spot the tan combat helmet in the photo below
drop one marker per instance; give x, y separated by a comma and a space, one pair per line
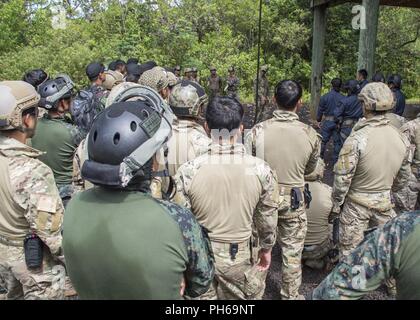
377, 96
156, 78
112, 78
15, 98
318, 173
187, 98
117, 91
264, 68
172, 79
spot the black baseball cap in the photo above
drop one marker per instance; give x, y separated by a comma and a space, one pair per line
94, 69
133, 69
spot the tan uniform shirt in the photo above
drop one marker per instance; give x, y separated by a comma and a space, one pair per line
228, 190
188, 141
374, 159
318, 212
395, 120
290, 147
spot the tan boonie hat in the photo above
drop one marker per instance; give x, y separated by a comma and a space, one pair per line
15, 98
377, 96
318, 173
156, 78
112, 78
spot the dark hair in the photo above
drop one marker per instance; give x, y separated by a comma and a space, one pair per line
133, 60
378, 77
132, 78
112, 65
288, 94
224, 113
31, 111
364, 73
336, 83
35, 77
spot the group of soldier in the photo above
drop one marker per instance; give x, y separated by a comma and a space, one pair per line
142, 187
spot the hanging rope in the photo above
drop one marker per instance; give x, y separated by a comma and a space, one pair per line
258, 66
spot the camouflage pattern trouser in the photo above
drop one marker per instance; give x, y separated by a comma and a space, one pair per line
292, 229
21, 283
406, 199
355, 219
236, 279
316, 256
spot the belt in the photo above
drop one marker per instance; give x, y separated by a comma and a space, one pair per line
13, 243
329, 118
226, 245
349, 122
287, 189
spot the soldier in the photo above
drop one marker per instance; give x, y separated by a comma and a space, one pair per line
362, 76
394, 83
97, 76
161, 253
227, 190
177, 72
349, 111
157, 79
232, 84
378, 77
56, 136
292, 149
407, 198
31, 210
112, 79
374, 159
35, 77
263, 92
391, 252
120, 67
133, 73
214, 83
317, 240
328, 104
189, 139
194, 75
187, 74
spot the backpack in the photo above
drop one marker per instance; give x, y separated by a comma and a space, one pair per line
85, 107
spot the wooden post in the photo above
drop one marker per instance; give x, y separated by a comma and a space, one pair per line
318, 46
368, 35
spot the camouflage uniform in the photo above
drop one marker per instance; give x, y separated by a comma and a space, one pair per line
255, 200
407, 198
156, 78
232, 87
270, 140
263, 94
389, 252
317, 240
30, 204
214, 85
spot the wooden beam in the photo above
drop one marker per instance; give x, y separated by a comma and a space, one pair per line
318, 47
367, 39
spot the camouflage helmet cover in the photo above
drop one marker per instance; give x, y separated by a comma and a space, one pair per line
172, 79
112, 78
15, 98
156, 78
117, 90
377, 96
186, 99
264, 68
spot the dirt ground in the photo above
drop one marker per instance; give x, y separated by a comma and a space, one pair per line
311, 278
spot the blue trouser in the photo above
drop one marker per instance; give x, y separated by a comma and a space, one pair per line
328, 129
344, 134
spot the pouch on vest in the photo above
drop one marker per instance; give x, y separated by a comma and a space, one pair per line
34, 251
295, 198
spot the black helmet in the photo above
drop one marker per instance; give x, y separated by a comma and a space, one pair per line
378, 77
124, 137
352, 87
35, 77
52, 91
396, 80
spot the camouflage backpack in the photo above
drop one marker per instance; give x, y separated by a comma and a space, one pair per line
86, 106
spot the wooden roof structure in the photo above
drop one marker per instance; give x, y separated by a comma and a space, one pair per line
367, 39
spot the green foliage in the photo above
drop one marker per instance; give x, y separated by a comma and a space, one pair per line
199, 33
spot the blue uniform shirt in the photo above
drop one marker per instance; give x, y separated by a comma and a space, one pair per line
329, 102
399, 102
362, 84
349, 108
